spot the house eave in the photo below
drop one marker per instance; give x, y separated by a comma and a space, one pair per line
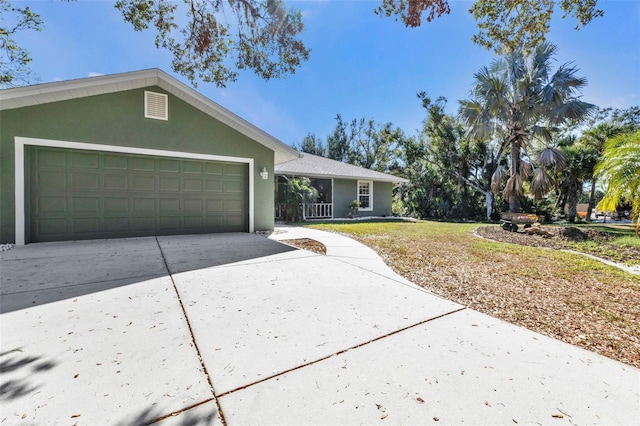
39, 94
395, 180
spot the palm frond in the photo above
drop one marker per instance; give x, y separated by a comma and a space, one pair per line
496, 178
525, 169
552, 157
513, 187
541, 183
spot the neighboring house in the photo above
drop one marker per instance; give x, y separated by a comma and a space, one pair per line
338, 185
128, 155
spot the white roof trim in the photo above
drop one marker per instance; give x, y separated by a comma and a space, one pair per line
65, 90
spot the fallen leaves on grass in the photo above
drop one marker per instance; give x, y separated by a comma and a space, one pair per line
566, 296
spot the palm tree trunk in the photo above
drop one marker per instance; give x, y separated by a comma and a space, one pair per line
514, 199
488, 197
572, 201
592, 198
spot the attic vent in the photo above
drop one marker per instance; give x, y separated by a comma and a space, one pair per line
156, 105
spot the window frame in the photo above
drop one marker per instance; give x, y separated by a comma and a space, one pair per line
370, 195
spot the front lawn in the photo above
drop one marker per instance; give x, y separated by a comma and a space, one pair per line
564, 295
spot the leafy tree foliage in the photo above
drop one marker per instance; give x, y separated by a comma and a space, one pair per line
620, 168
218, 39
262, 36
363, 143
295, 193
505, 25
464, 163
14, 60
580, 160
312, 145
519, 101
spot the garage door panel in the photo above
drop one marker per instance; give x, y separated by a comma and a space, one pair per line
169, 205
235, 221
169, 166
116, 205
169, 184
116, 182
215, 221
143, 183
234, 170
51, 157
144, 164
214, 185
144, 205
86, 205
214, 169
52, 204
193, 222
118, 225
115, 162
169, 223
52, 226
192, 167
48, 179
234, 187
85, 159
80, 181
86, 225
144, 224
193, 206
215, 206
192, 185
235, 206
78, 194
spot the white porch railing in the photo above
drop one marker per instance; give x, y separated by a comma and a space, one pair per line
317, 211
309, 211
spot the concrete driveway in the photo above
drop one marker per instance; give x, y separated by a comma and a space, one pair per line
239, 329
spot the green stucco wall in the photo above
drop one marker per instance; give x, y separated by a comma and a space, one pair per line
345, 191
118, 119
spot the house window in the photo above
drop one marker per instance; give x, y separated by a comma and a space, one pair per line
365, 195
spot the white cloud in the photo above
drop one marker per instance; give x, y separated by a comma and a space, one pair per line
94, 74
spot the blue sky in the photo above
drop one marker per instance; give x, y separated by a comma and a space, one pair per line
361, 65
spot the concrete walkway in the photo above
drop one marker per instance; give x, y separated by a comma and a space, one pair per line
241, 329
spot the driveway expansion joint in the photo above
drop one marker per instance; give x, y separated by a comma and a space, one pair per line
359, 345
195, 345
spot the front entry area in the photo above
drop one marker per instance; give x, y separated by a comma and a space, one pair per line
75, 194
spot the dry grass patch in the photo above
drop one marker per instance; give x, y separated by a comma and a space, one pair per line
567, 296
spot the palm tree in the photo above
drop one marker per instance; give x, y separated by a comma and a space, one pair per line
518, 101
620, 168
297, 193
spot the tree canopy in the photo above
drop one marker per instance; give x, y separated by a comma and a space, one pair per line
261, 36
620, 168
14, 60
504, 25
220, 38
521, 102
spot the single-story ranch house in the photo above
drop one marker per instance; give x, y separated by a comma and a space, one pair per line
338, 185
141, 154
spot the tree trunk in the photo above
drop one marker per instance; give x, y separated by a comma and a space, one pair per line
488, 196
572, 201
514, 199
592, 198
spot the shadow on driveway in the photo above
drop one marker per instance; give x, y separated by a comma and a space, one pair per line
37, 274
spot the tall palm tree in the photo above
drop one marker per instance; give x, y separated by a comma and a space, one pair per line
518, 101
619, 166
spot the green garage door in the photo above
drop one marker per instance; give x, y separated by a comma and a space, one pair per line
76, 194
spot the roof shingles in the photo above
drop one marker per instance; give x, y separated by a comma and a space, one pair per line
314, 166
